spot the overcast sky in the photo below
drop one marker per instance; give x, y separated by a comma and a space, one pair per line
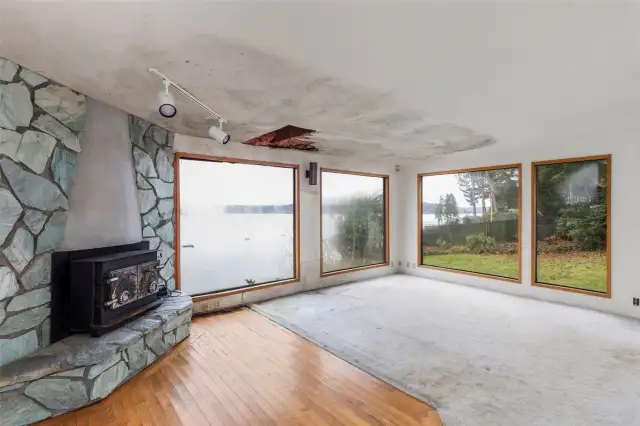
435, 186
208, 184
340, 185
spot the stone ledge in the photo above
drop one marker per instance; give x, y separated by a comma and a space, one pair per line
80, 370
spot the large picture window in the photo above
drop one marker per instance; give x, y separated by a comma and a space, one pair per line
469, 221
572, 227
237, 224
355, 217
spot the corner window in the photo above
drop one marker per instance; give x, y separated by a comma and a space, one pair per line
355, 217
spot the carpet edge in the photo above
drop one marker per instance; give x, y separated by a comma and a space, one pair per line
380, 376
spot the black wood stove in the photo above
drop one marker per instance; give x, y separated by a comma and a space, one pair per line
97, 290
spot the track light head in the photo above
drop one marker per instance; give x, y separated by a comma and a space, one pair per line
218, 134
166, 102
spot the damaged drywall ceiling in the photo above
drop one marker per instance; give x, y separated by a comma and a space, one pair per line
380, 80
287, 137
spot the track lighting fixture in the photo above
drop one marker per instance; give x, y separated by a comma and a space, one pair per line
167, 106
218, 134
166, 101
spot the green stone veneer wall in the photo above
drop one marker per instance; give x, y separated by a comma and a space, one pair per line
81, 370
39, 126
152, 149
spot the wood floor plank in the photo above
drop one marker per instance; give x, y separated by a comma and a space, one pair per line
278, 380
373, 399
227, 396
267, 395
221, 407
341, 392
240, 369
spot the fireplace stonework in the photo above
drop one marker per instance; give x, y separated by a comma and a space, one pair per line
81, 370
40, 127
152, 150
40, 123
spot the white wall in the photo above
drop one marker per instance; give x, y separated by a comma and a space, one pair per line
103, 204
621, 143
309, 215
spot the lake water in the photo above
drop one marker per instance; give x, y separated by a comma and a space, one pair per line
430, 218
229, 249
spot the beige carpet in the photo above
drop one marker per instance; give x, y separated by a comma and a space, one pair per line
480, 358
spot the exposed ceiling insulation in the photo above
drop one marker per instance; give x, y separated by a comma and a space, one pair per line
287, 137
380, 80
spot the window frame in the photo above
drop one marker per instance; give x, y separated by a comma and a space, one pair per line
459, 271
387, 241
296, 218
534, 242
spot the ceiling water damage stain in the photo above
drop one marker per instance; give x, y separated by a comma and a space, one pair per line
287, 137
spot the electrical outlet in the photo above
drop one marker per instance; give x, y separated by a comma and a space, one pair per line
414, 266
407, 264
392, 263
214, 305
636, 301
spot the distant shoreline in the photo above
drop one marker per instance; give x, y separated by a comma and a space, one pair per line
278, 209
259, 209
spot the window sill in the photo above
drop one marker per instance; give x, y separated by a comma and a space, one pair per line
606, 295
356, 269
474, 274
224, 293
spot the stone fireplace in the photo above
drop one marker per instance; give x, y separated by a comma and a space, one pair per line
40, 123
76, 174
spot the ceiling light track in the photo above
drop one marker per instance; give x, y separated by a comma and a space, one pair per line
166, 80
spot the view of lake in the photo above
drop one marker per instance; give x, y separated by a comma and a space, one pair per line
231, 248
237, 223
430, 218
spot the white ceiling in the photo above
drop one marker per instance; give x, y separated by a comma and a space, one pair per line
385, 79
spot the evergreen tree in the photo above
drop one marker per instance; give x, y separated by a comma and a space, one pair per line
439, 210
469, 188
450, 207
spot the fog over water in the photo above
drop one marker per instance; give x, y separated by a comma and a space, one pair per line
221, 250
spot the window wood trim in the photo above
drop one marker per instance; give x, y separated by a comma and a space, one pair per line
296, 219
387, 241
534, 217
470, 273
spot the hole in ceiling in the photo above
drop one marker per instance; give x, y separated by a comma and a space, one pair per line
287, 137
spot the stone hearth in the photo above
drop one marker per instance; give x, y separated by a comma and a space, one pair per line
81, 370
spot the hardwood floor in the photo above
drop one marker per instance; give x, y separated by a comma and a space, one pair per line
239, 368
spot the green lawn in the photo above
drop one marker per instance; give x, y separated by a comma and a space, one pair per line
494, 264
586, 270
